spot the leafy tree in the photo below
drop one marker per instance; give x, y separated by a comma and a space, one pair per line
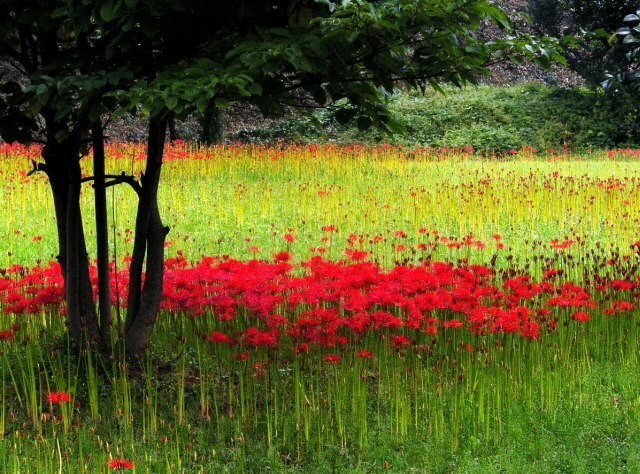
628, 77
81, 62
593, 54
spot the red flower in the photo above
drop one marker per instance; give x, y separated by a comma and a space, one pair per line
399, 340
452, 323
58, 397
217, 337
332, 358
580, 316
289, 237
282, 257
301, 348
365, 353
4, 335
116, 463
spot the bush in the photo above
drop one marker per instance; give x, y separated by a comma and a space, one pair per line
488, 117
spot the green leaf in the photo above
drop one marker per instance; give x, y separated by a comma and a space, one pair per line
202, 103
222, 102
343, 116
61, 135
363, 123
171, 102
255, 89
107, 11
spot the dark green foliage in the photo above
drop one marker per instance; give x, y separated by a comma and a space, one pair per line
490, 117
595, 54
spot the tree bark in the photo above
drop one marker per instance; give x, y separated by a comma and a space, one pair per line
143, 302
102, 236
212, 125
63, 170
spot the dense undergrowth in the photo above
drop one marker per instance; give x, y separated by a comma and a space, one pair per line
485, 117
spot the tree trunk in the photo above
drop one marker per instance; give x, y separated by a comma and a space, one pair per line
143, 303
173, 132
212, 125
102, 236
63, 170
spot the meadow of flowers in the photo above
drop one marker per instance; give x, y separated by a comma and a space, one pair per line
322, 303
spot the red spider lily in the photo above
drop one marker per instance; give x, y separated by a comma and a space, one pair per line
580, 316
334, 358
365, 354
301, 348
58, 397
254, 337
289, 237
282, 257
120, 463
4, 335
218, 337
399, 340
356, 254
452, 323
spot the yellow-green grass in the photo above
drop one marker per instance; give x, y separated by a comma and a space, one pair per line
241, 200
542, 405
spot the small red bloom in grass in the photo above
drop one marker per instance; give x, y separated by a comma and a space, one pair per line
37, 238
241, 355
329, 228
430, 330
289, 237
399, 340
513, 152
58, 397
167, 244
254, 249
217, 337
496, 236
452, 323
4, 335
282, 257
301, 348
356, 254
332, 358
366, 354
580, 316
116, 463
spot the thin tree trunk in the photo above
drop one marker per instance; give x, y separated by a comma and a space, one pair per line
102, 235
173, 132
63, 169
143, 302
212, 125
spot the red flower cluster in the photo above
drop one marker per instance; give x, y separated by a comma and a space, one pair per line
334, 304
58, 397
120, 463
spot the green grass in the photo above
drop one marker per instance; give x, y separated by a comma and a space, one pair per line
490, 117
566, 403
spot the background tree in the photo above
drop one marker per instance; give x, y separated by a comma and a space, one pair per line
592, 54
79, 62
